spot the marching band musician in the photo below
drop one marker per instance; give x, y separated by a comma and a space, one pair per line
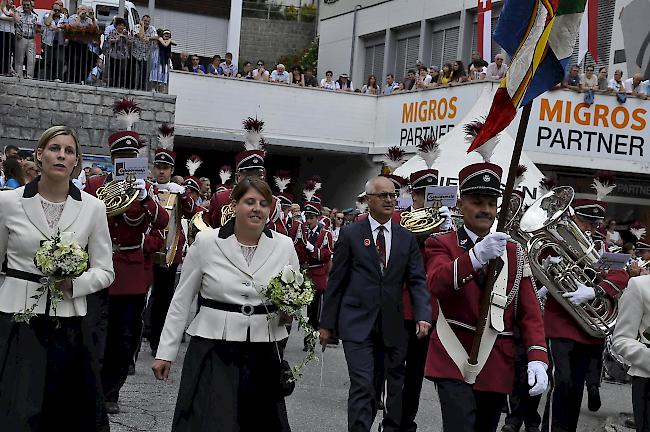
164, 269
571, 349
318, 245
456, 263
192, 183
631, 341
127, 294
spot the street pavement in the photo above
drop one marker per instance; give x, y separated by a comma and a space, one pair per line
148, 405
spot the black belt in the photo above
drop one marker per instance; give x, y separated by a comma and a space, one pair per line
19, 274
246, 309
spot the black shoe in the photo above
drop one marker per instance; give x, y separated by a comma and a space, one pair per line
112, 407
131, 370
593, 398
509, 428
380, 405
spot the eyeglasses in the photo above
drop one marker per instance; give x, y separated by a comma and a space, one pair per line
260, 64
386, 195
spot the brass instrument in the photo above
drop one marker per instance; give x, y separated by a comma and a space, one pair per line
227, 213
551, 231
195, 226
421, 221
172, 233
118, 195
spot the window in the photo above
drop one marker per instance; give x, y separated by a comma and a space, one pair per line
444, 46
495, 48
374, 63
605, 23
407, 55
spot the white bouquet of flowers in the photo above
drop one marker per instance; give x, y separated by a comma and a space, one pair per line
58, 258
290, 291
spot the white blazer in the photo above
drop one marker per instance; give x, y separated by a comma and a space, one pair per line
23, 226
215, 267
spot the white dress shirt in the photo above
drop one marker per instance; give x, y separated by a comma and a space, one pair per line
374, 228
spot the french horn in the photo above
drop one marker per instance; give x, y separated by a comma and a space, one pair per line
118, 195
421, 221
550, 231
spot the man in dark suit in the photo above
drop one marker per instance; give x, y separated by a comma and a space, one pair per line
363, 304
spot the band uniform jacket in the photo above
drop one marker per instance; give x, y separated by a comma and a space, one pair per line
453, 280
215, 269
22, 228
129, 231
559, 324
317, 262
357, 291
218, 201
188, 209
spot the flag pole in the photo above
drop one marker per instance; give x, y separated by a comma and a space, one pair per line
503, 214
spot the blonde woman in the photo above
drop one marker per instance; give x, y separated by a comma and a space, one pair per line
45, 369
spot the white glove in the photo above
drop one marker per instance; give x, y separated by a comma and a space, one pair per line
172, 187
448, 223
582, 294
492, 246
537, 377
142, 186
310, 247
541, 293
551, 260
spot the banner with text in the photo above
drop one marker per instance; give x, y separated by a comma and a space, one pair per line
561, 123
409, 117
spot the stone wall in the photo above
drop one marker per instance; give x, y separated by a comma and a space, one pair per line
29, 107
270, 39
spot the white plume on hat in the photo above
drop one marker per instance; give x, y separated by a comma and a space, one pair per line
394, 158
253, 139
127, 112
604, 184
166, 136
225, 174
309, 190
486, 150
428, 150
193, 164
637, 230
282, 181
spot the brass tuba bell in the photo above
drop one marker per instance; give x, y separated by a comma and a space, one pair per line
118, 195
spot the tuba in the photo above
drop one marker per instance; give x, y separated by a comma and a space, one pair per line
118, 195
195, 226
550, 231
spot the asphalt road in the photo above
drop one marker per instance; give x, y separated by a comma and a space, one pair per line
148, 405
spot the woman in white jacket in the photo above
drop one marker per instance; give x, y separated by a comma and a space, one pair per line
46, 371
231, 372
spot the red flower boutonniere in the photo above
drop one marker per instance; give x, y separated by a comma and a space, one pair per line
366, 242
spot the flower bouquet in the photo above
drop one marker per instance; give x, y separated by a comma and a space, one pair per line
81, 33
58, 258
290, 291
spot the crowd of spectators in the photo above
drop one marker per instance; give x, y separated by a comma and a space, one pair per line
591, 83
17, 168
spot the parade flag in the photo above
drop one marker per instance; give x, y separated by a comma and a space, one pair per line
539, 36
588, 39
484, 29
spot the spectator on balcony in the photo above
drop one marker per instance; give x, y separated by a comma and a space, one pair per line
13, 173
214, 68
280, 75
390, 85
497, 69
409, 80
616, 83
633, 86
81, 53
7, 36
27, 26
96, 75
589, 81
371, 87
248, 71
328, 82
423, 80
344, 83
476, 62
572, 80
446, 74
183, 63
458, 73
477, 72
228, 67
296, 76
602, 79
434, 71
261, 74
117, 50
53, 42
197, 67
160, 59
310, 79
144, 41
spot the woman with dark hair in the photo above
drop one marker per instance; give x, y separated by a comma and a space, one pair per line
14, 175
213, 67
446, 74
371, 86
297, 78
458, 72
46, 368
328, 82
230, 377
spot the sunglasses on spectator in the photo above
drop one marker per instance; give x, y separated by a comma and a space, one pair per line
385, 195
328, 74
260, 64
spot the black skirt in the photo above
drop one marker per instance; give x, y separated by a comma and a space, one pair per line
47, 381
230, 387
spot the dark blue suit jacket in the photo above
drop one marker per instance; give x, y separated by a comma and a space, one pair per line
357, 291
